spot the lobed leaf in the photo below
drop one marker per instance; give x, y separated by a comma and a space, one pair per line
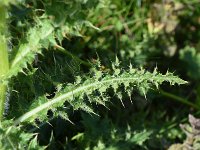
97, 86
12, 137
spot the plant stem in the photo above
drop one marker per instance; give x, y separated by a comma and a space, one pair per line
179, 99
62, 50
4, 64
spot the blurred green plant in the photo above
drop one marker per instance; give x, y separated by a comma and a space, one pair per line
192, 131
53, 49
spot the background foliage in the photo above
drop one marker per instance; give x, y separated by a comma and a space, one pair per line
55, 47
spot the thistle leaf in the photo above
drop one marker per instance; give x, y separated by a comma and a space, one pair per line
27, 51
75, 93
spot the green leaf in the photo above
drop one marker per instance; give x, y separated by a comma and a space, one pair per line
74, 93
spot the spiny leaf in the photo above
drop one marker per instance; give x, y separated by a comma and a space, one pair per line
27, 51
75, 93
12, 137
